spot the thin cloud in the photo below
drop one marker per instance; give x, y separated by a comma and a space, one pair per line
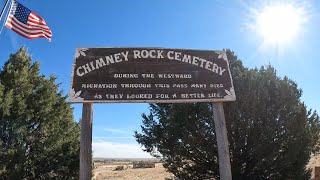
106, 149
114, 130
113, 137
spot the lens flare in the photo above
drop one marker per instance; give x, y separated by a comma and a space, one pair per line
279, 24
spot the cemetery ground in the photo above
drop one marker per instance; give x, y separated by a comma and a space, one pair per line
107, 169
112, 169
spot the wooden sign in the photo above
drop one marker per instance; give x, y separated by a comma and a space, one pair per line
153, 75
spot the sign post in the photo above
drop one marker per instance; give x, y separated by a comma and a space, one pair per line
222, 141
151, 75
86, 142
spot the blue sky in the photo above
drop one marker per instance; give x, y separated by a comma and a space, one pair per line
205, 24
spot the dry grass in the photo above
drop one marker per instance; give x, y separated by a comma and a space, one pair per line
107, 171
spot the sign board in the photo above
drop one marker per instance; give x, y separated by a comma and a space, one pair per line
153, 75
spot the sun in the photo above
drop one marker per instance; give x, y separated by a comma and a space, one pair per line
279, 24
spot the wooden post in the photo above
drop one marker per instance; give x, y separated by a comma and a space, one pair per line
86, 142
222, 139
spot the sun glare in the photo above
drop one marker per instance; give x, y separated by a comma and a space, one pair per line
279, 24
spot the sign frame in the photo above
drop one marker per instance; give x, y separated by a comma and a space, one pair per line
75, 97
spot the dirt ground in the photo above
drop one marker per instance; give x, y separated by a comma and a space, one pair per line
106, 171
314, 161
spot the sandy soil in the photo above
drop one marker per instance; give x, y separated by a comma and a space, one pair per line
106, 171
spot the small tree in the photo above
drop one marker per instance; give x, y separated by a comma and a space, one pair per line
268, 130
38, 137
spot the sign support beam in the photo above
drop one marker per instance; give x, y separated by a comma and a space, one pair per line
86, 142
222, 141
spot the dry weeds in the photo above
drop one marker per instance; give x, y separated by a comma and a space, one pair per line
106, 171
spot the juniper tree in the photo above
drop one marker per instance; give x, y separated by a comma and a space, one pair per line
38, 137
269, 130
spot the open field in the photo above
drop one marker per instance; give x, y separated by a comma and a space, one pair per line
106, 171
